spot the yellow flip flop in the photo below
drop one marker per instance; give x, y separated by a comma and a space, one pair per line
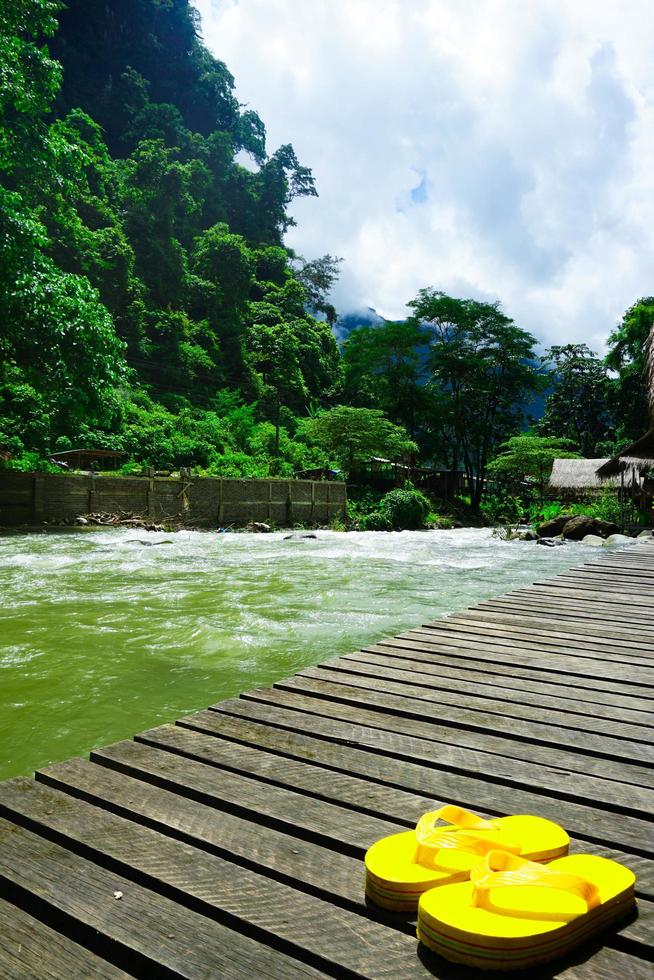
401, 867
514, 914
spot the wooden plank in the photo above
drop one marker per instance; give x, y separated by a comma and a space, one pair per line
394, 707
143, 932
593, 604
551, 665
297, 923
240, 794
491, 701
565, 614
507, 637
487, 789
549, 632
459, 755
513, 677
508, 689
29, 948
397, 761
525, 624
607, 584
326, 872
596, 605
632, 585
260, 764
179, 813
590, 962
492, 749
585, 661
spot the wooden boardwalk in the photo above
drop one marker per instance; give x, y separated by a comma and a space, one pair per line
230, 845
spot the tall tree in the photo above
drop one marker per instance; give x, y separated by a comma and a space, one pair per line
319, 276
577, 408
486, 367
385, 366
626, 356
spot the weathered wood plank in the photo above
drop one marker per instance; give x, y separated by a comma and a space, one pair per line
326, 872
353, 793
598, 612
261, 726
527, 624
299, 924
279, 807
29, 948
143, 932
508, 637
556, 665
472, 719
507, 689
247, 722
450, 745
483, 789
178, 812
550, 633
513, 677
493, 702
582, 662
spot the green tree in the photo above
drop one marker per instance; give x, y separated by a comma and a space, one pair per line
578, 406
385, 366
352, 435
319, 276
57, 339
530, 456
486, 368
626, 357
275, 354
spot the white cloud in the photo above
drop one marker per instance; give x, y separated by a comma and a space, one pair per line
494, 148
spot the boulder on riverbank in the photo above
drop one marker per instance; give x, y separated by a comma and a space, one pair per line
549, 529
578, 527
551, 542
594, 540
618, 539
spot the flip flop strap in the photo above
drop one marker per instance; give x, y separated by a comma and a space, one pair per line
429, 835
502, 870
427, 832
432, 839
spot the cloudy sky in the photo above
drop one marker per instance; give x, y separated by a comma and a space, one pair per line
501, 149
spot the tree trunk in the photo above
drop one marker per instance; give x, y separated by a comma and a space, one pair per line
277, 422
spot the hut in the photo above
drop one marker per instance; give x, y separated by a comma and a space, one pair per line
637, 458
630, 467
88, 459
572, 478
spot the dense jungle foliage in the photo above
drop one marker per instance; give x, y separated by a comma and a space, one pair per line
148, 303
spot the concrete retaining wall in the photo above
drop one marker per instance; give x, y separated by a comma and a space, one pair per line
35, 498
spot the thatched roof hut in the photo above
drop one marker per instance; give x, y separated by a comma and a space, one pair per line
635, 459
578, 475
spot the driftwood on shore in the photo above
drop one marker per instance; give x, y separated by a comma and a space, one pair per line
123, 519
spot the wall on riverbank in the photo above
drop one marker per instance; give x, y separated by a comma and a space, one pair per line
37, 498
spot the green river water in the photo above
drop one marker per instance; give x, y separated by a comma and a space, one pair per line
102, 636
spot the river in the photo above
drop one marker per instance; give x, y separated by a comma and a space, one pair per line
102, 636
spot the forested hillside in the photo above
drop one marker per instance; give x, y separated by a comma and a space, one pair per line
148, 302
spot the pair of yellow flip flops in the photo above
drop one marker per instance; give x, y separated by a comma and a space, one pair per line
483, 894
